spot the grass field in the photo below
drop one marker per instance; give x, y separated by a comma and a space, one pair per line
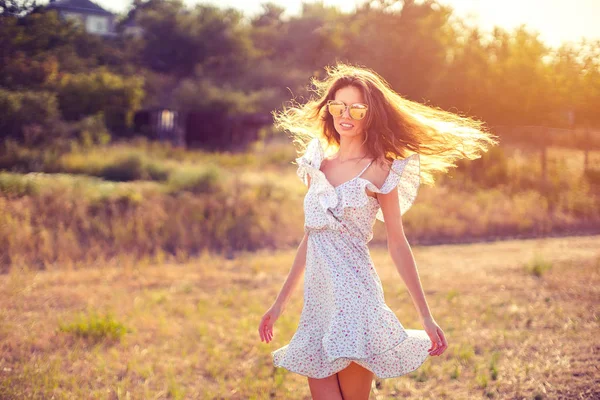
521, 318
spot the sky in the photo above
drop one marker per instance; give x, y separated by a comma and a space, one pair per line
556, 21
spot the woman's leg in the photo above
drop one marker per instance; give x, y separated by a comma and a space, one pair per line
355, 382
326, 388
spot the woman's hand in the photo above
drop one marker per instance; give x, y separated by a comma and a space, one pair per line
436, 334
265, 329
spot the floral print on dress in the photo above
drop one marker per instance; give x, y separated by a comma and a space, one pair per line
345, 317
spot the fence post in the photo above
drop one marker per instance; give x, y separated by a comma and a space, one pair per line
586, 149
544, 159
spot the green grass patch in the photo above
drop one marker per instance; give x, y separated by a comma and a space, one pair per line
95, 327
538, 266
17, 185
197, 180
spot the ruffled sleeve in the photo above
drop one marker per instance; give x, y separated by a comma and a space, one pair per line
310, 160
405, 177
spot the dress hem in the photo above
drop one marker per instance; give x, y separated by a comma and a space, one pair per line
357, 360
362, 362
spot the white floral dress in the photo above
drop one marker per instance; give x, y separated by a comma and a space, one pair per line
345, 317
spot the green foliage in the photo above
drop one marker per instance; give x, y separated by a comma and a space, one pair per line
196, 181
204, 95
538, 266
41, 148
95, 327
490, 170
212, 59
21, 71
19, 109
494, 365
134, 167
117, 97
455, 374
482, 380
17, 185
92, 131
179, 40
40, 43
414, 40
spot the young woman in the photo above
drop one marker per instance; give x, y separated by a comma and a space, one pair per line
385, 146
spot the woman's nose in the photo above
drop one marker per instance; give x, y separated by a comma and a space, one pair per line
346, 113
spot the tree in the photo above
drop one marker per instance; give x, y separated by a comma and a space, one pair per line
178, 40
17, 8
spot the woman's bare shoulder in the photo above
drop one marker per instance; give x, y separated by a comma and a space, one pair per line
378, 171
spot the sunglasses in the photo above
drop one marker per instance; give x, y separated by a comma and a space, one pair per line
356, 110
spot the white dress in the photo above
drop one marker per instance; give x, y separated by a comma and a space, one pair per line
345, 317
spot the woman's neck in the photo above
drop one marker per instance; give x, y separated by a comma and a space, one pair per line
351, 149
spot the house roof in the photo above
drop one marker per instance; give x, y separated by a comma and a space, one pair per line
81, 6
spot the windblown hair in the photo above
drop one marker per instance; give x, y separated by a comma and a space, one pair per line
395, 127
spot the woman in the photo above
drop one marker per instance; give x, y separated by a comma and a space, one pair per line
385, 147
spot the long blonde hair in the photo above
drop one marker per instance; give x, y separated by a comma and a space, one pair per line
395, 127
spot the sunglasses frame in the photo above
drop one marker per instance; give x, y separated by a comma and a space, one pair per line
347, 107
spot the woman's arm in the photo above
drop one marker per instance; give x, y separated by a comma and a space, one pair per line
404, 261
401, 253
265, 328
296, 271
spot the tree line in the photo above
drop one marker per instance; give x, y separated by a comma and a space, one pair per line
206, 58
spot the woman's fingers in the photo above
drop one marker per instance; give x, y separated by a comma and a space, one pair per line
434, 341
441, 343
262, 329
436, 344
434, 347
444, 342
265, 329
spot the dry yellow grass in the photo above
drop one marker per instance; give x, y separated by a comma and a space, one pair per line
225, 202
520, 317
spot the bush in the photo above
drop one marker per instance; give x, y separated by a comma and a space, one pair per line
16, 185
20, 109
115, 96
491, 169
202, 181
134, 167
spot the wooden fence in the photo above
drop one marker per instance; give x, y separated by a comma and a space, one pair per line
542, 137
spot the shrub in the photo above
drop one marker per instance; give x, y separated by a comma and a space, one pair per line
126, 169
116, 96
16, 185
134, 167
196, 181
20, 109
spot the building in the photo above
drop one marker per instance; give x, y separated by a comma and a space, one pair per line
94, 18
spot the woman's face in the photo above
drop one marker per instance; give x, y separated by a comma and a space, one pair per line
345, 125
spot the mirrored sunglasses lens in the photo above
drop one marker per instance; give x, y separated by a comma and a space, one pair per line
358, 113
336, 109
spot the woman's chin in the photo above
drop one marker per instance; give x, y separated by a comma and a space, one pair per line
347, 133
